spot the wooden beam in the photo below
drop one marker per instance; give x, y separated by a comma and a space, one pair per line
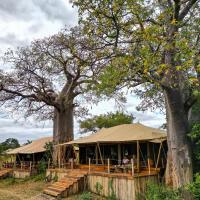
100, 154
158, 158
138, 156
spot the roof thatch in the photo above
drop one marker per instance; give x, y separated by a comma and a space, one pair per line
36, 146
123, 133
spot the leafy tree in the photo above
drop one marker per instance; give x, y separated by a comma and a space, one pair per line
156, 45
49, 79
105, 121
10, 143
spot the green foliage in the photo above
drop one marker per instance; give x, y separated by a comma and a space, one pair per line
98, 188
194, 187
49, 151
42, 166
195, 139
10, 143
112, 195
159, 192
105, 121
85, 196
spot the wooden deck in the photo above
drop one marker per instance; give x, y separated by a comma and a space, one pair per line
5, 172
72, 181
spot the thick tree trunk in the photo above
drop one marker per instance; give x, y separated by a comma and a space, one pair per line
179, 167
62, 132
63, 125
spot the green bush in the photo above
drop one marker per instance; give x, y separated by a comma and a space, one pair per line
159, 192
194, 187
85, 196
42, 167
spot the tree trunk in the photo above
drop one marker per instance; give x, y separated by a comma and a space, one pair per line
63, 125
179, 167
62, 132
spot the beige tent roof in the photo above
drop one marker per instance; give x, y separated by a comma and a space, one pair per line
123, 133
35, 147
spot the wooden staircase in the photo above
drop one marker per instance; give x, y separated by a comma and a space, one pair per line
72, 183
5, 172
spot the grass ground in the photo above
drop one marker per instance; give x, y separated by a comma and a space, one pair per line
31, 189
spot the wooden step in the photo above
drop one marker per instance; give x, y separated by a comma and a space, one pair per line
56, 189
51, 193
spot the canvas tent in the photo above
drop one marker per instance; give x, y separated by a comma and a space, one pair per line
124, 133
31, 152
130, 140
36, 146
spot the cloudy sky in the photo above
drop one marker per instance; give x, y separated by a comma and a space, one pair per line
25, 20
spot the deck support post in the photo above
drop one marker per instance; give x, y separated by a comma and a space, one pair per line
138, 156
158, 158
132, 166
108, 166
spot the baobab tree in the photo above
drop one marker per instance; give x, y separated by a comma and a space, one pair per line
50, 78
157, 45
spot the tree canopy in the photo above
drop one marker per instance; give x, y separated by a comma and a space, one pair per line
105, 121
10, 143
156, 46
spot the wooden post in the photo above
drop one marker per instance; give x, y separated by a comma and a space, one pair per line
72, 163
149, 167
132, 165
100, 154
158, 158
89, 164
21, 165
119, 154
108, 165
30, 166
138, 156
96, 152
49, 163
59, 157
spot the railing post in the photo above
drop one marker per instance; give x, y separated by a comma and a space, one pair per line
149, 167
21, 165
30, 165
72, 163
108, 165
89, 163
132, 166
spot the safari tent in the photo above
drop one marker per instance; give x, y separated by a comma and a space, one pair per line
33, 152
145, 145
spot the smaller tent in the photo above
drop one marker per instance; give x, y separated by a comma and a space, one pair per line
31, 152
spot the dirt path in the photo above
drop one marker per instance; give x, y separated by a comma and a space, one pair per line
8, 194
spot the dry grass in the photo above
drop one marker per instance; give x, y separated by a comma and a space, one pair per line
28, 189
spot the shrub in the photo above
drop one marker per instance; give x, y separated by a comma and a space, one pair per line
194, 187
159, 192
42, 167
85, 196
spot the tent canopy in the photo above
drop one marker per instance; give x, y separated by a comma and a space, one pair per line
36, 146
123, 133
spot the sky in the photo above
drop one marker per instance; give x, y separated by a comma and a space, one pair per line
23, 21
